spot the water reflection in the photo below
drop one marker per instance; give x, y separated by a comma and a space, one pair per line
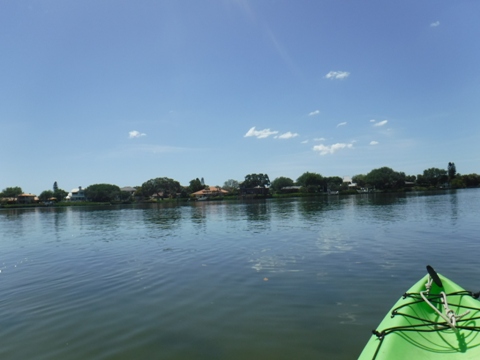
165, 218
234, 212
284, 209
309, 208
453, 207
315, 264
376, 199
55, 221
258, 215
257, 210
198, 212
333, 240
13, 214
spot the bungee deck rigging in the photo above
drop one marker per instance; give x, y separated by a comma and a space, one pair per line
429, 322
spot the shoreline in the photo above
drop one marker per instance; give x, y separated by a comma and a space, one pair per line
224, 198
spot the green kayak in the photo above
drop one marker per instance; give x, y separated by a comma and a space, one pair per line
434, 319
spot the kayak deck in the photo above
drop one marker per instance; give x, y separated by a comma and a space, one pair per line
414, 330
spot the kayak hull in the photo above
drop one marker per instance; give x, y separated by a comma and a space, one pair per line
413, 330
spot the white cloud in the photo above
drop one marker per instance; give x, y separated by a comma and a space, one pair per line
342, 124
373, 142
373, 120
340, 75
135, 134
287, 135
319, 139
435, 24
381, 123
260, 134
313, 113
304, 142
330, 149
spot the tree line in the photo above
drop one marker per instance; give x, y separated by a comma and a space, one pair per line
382, 179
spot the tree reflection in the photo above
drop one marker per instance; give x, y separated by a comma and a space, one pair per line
310, 208
258, 215
164, 217
284, 209
257, 211
198, 213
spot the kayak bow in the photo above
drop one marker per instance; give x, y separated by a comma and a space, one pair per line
435, 319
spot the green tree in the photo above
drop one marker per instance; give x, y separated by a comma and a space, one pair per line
60, 194
102, 192
124, 196
434, 177
311, 182
45, 195
458, 183
452, 170
195, 185
254, 180
360, 180
471, 180
410, 178
231, 186
11, 192
385, 178
162, 187
333, 183
57, 193
281, 182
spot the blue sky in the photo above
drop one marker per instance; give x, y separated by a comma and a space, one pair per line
121, 92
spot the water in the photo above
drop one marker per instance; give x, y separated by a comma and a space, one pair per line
276, 279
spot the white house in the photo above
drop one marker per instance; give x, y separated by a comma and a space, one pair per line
348, 180
128, 189
76, 195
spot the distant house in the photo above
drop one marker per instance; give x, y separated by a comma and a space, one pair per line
348, 180
257, 190
290, 189
26, 199
210, 192
76, 195
8, 200
129, 189
157, 196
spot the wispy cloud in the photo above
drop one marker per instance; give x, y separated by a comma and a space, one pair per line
374, 142
304, 142
287, 135
380, 123
373, 120
313, 113
342, 124
135, 134
331, 149
319, 139
260, 134
435, 24
338, 75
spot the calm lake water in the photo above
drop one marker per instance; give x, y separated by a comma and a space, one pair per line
276, 279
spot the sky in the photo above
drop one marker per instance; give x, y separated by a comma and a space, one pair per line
120, 92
